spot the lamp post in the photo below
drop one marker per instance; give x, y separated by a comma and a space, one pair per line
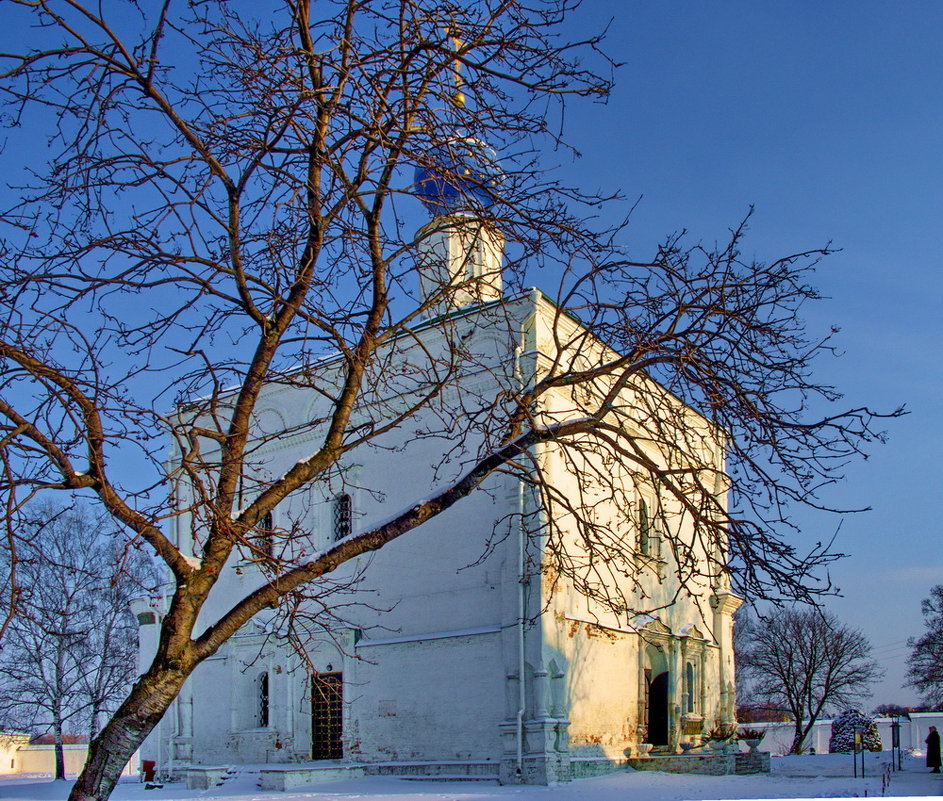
895, 741
858, 749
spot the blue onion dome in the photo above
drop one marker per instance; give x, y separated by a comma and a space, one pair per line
461, 175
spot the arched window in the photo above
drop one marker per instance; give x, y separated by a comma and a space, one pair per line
263, 700
343, 516
644, 528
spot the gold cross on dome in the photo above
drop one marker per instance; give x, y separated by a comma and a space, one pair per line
458, 96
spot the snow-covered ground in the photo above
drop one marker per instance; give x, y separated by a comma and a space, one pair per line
819, 776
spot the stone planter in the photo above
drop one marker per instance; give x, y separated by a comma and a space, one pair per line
686, 747
752, 744
644, 749
717, 745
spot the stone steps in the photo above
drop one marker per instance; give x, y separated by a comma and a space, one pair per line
445, 777
433, 770
287, 777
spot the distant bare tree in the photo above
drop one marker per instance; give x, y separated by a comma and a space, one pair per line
227, 205
70, 653
925, 663
751, 707
891, 710
806, 661
110, 651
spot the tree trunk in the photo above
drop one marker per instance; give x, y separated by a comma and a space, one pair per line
797, 738
60, 755
123, 734
800, 734
93, 722
57, 716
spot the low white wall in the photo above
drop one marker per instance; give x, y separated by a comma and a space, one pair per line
913, 732
41, 759
920, 723
9, 744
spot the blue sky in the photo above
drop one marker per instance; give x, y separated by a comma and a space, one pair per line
828, 117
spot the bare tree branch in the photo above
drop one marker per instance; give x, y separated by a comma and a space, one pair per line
228, 216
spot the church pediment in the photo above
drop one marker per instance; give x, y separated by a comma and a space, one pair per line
692, 631
655, 626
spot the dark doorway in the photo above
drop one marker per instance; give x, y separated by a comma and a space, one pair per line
327, 715
658, 710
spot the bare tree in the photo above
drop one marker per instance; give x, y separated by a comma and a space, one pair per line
925, 663
806, 661
228, 206
891, 711
71, 650
109, 652
752, 707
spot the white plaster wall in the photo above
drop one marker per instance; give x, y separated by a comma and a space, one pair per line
600, 687
213, 696
449, 693
437, 699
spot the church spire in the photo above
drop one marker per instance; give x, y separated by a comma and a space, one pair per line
460, 251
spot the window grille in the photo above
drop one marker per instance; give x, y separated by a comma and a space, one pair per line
327, 716
265, 535
343, 516
644, 528
263, 701
689, 686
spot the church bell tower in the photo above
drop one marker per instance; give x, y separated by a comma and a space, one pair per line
459, 263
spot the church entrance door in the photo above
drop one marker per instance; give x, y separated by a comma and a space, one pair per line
327, 715
658, 710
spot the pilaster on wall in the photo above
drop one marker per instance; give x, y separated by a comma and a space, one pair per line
725, 603
182, 741
674, 693
535, 735
536, 747
545, 756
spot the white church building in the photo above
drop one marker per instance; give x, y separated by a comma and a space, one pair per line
460, 647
